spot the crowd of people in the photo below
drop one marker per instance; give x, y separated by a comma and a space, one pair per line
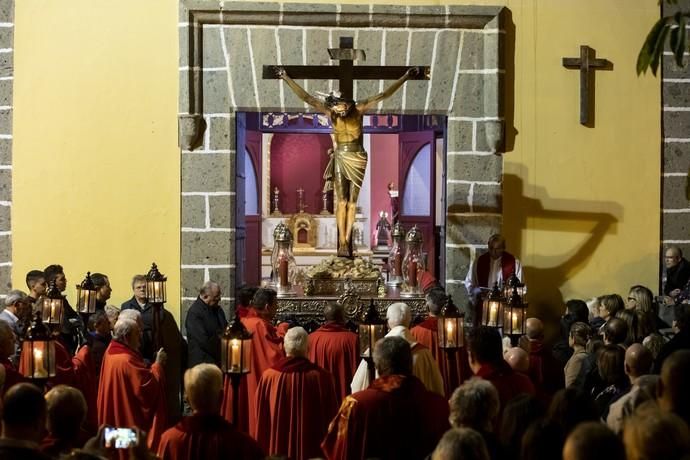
613, 386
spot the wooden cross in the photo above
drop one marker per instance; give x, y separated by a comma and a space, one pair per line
587, 63
345, 72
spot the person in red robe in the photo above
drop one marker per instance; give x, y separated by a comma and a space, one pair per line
245, 294
335, 348
485, 357
267, 350
395, 418
295, 401
131, 394
544, 371
454, 368
205, 434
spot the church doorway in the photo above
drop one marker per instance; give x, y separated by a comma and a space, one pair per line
282, 157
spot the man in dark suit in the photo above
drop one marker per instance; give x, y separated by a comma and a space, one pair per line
205, 322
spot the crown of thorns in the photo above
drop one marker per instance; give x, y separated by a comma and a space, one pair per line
335, 98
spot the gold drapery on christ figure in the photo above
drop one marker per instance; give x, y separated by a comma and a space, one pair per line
348, 161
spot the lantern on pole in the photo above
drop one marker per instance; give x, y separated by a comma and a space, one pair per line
235, 358
515, 315
86, 296
513, 282
371, 329
413, 263
156, 292
451, 327
395, 257
283, 261
492, 308
53, 307
156, 295
37, 359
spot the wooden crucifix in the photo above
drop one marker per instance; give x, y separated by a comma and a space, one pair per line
345, 171
345, 72
587, 64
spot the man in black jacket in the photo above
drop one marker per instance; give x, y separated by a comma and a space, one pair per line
677, 271
205, 322
680, 341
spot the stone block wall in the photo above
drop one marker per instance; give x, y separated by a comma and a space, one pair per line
675, 100
6, 111
223, 48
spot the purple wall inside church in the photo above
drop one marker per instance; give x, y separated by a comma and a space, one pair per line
299, 161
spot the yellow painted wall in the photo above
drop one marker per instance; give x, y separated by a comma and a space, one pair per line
95, 150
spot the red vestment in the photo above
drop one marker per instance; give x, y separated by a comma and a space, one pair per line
86, 381
508, 382
267, 349
207, 437
336, 349
544, 371
426, 333
12, 375
295, 401
484, 266
130, 394
395, 418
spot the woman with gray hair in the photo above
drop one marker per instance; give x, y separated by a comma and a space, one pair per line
475, 404
295, 402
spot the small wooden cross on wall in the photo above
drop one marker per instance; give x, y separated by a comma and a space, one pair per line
587, 63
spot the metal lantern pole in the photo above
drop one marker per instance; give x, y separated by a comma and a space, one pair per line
371, 329
86, 301
235, 358
492, 309
52, 307
156, 295
451, 337
37, 358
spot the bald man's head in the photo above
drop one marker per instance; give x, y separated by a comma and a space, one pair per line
638, 360
518, 359
534, 328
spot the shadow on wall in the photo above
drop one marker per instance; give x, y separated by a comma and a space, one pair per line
592, 219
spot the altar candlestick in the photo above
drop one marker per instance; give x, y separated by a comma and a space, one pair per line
412, 281
283, 272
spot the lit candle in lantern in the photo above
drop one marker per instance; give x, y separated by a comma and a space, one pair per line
398, 265
283, 272
235, 345
412, 281
53, 312
39, 370
493, 313
514, 323
450, 336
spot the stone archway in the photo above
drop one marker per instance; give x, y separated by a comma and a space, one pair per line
222, 49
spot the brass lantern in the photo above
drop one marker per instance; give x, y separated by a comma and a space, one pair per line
492, 308
236, 358
156, 292
37, 360
515, 314
86, 296
236, 348
395, 257
511, 283
413, 263
283, 261
451, 327
371, 329
53, 306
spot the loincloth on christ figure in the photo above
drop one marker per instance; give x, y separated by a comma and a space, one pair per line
346, 166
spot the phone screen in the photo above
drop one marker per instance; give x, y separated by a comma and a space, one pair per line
120, 438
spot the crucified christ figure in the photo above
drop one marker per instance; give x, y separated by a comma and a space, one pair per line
349, 159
